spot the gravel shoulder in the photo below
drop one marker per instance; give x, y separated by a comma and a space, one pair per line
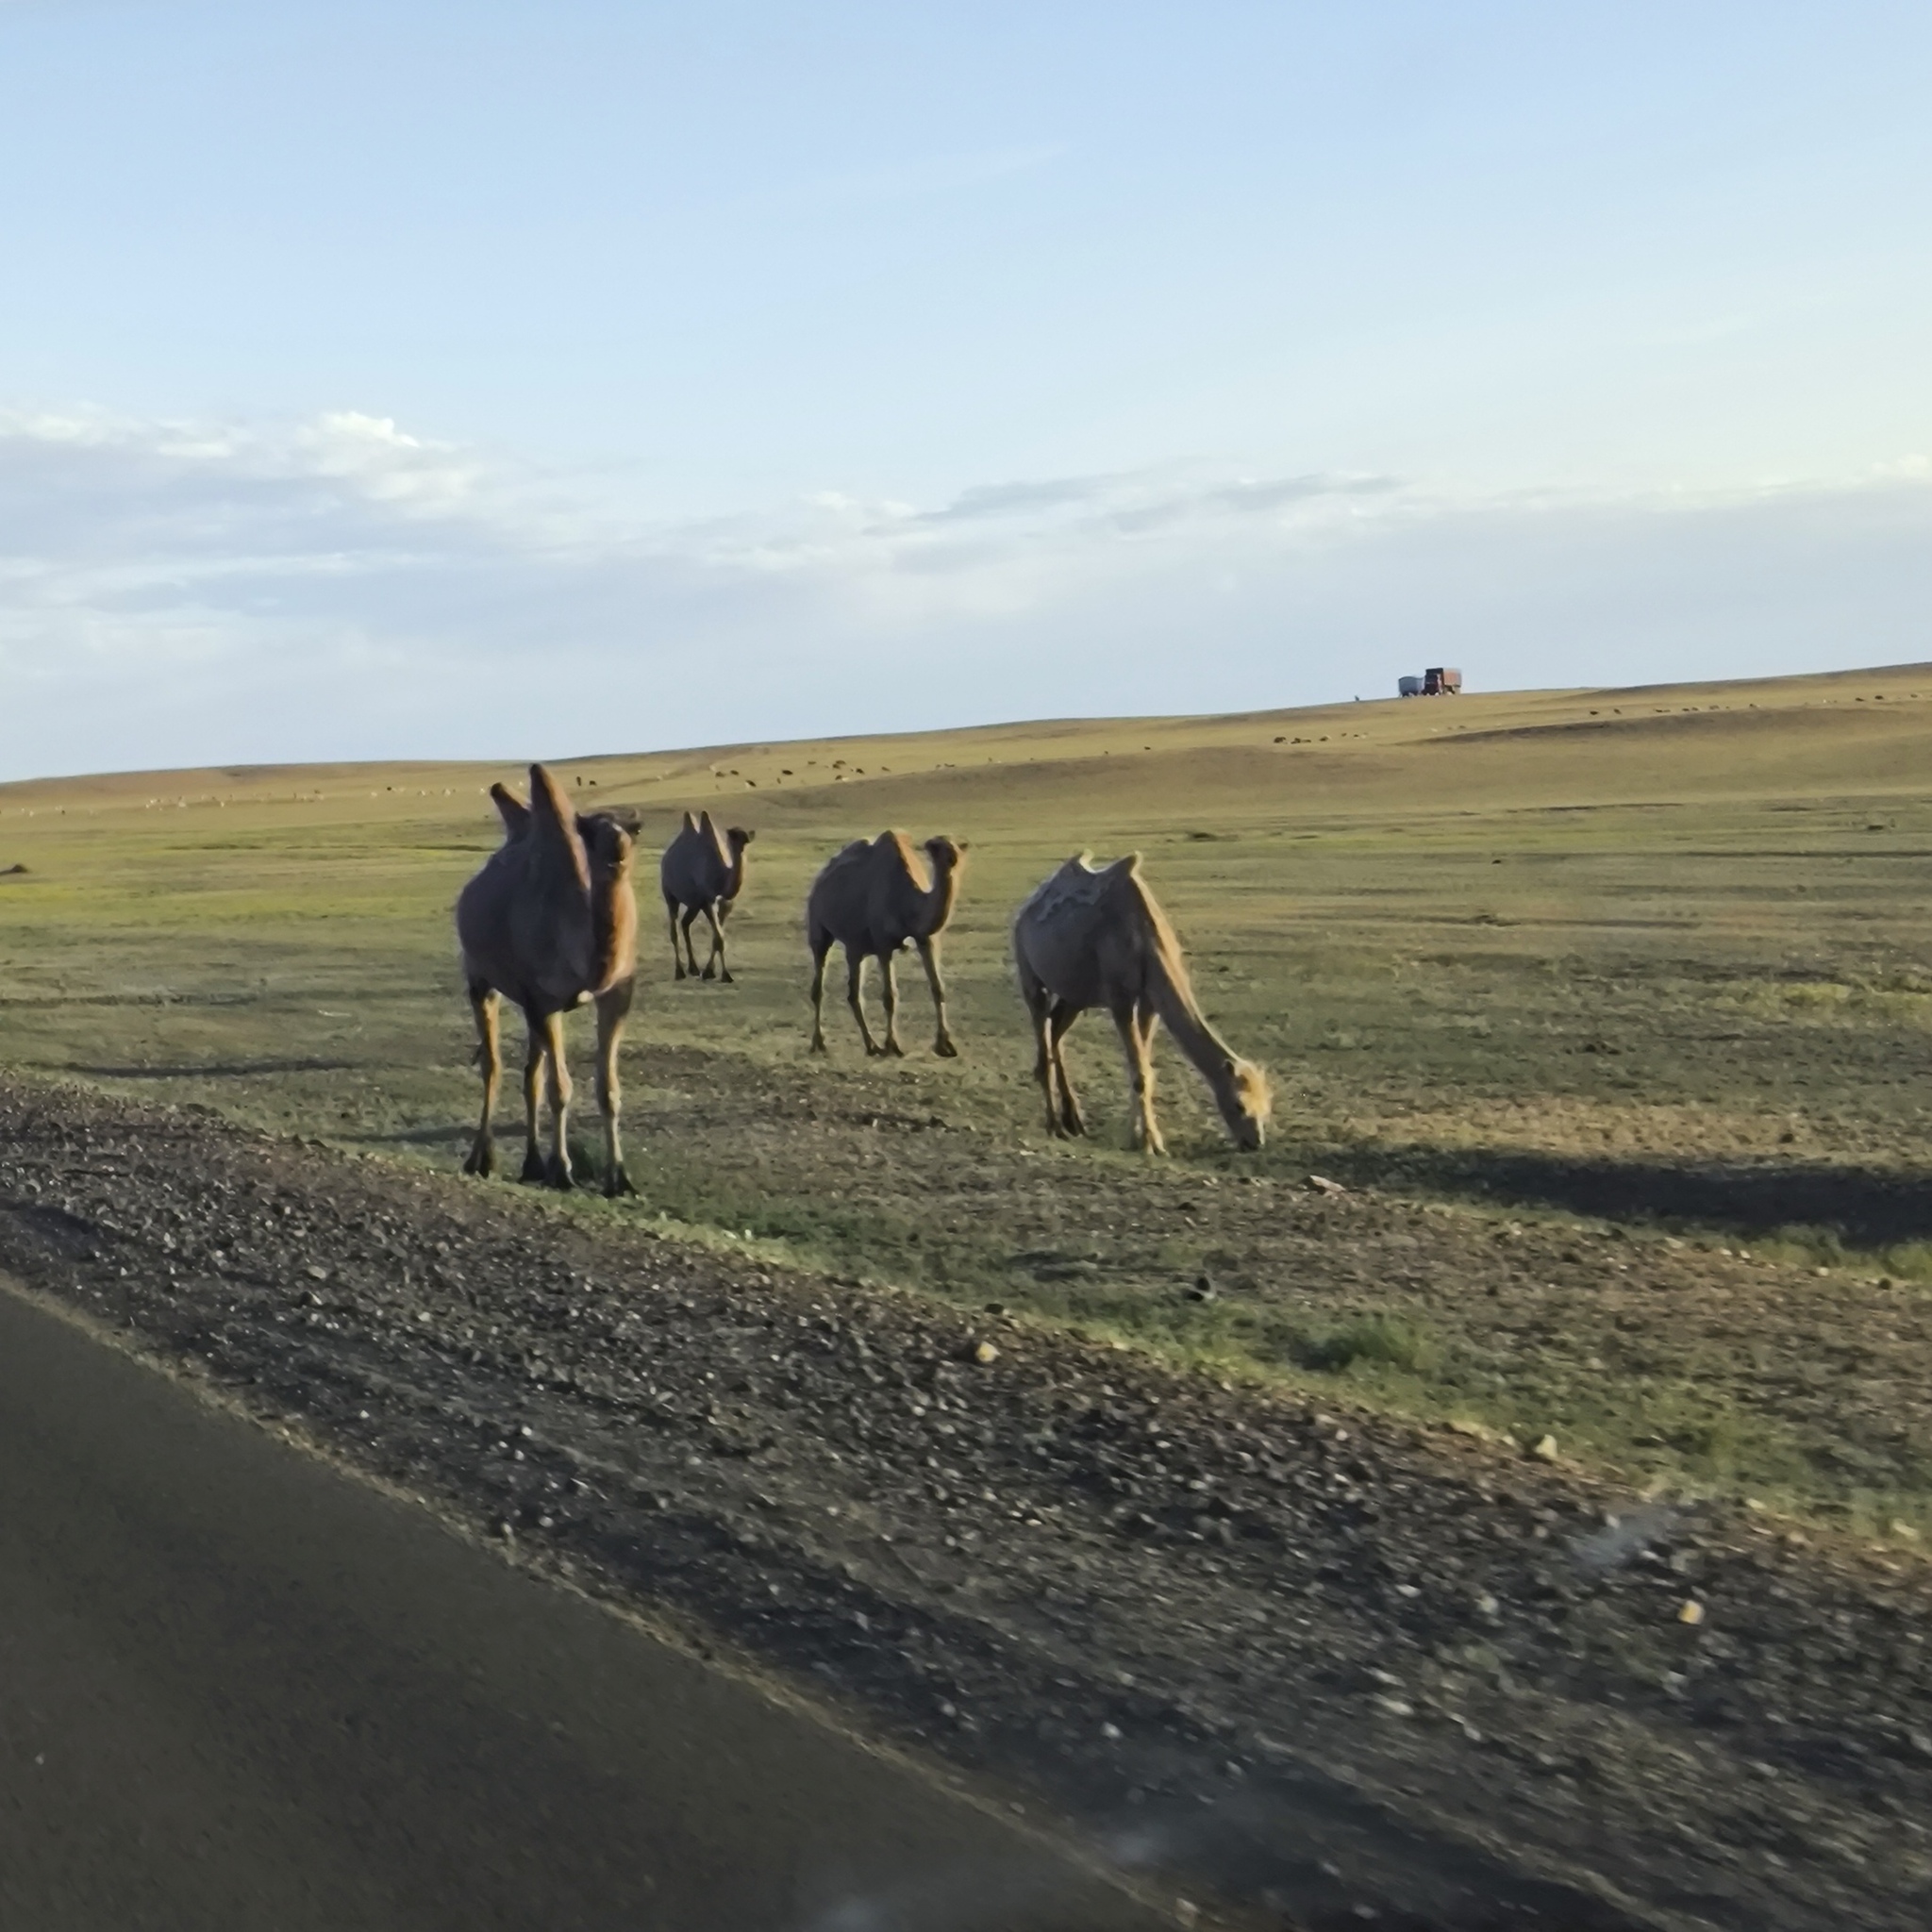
1297, 1661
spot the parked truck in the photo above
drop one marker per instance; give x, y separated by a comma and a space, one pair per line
1441, 682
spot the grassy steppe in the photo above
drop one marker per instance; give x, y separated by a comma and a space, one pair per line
1579, 990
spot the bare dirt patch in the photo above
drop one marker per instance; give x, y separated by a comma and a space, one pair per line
1304, 1658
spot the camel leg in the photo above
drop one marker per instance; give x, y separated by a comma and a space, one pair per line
717, 961
482, 1158
1039, 1007
888, 971
1147, 1025
676, 957
855, 988
1146, 1132
690, 951
558, 1171
1072, 1121
534, 1169
613, 1009
819, 956
929, 958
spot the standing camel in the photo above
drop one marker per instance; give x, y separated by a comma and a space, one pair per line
871, 899
703, 871
1091, 937
551, 921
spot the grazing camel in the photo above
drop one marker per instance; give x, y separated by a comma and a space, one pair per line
550, 922
703, 871
1097, 937
871, 899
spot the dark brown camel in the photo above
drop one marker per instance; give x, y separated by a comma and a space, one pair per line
550, 922
703, 873
873, 898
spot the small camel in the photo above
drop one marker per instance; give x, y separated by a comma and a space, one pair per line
703, 871
873, 898
551, 921
1096, 937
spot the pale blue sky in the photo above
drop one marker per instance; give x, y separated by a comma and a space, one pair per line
930, 364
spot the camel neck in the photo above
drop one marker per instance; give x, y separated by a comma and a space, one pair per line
1175, 1002
939, 899
613, 920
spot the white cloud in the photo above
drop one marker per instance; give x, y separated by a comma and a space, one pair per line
176, 592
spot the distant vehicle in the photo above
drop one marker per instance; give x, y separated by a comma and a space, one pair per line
1409, 687
1439, 683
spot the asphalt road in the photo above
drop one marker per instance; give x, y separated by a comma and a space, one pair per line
238, 1690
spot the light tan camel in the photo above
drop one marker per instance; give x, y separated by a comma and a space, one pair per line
703, 871
873, 898
1097, 937
550, 922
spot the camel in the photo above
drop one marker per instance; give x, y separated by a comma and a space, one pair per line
1096, 937
551, 921
873, 898
703, 871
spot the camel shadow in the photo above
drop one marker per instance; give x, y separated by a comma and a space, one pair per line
220, 1070
1860, 1207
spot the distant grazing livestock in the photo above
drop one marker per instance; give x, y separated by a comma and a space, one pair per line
1093, 937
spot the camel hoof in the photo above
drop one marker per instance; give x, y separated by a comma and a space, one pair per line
726, 979
680, 972
482, 1161
708, 973
817, 1047
945, 1049
617, 1182
558, 1177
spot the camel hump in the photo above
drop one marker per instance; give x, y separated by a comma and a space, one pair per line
691, 824
512, 809
554, 821
705, 826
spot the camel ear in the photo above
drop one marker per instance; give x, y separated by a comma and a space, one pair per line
749, 837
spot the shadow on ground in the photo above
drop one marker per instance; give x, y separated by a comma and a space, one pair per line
1863, 1207
219, 1069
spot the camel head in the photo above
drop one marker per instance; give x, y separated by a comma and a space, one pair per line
1246, 1100
608, 846
738, 838
947, 855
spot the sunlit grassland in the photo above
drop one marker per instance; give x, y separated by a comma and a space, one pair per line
1659, 960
